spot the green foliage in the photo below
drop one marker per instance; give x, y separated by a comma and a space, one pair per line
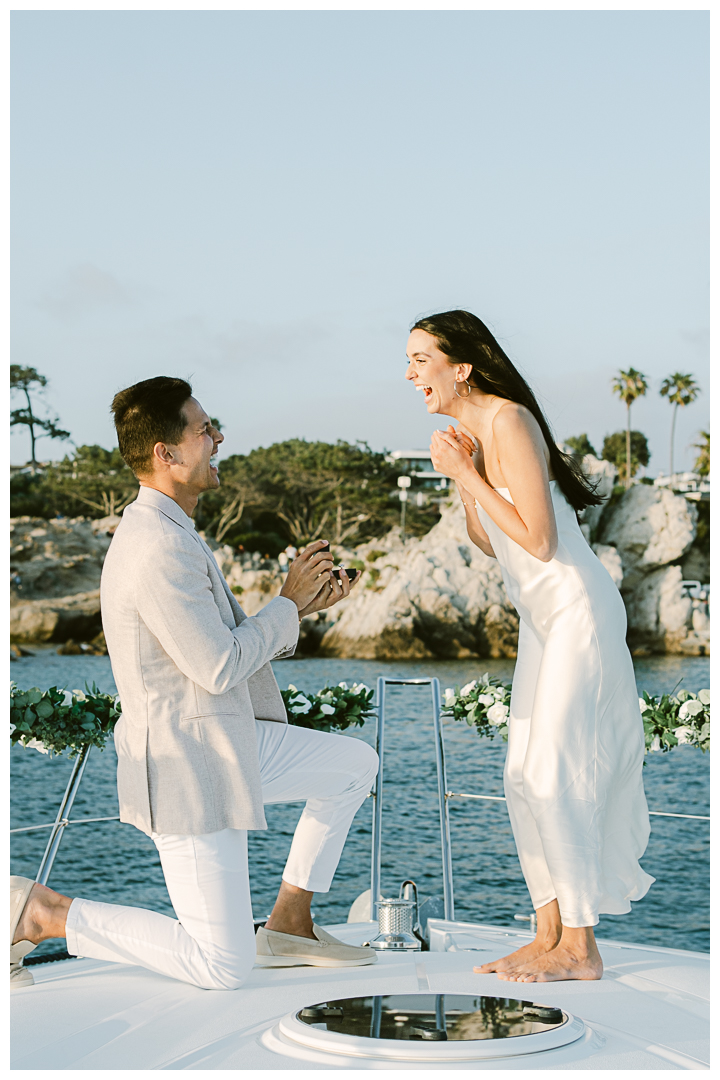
579, 446
58, 720
614, 450
23, 380
702, 461
300, 491
680, 389
334, 709
630, 385
90, 482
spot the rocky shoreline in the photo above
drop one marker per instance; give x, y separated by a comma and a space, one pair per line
435, 596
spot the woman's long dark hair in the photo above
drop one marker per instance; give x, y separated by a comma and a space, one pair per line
465, 339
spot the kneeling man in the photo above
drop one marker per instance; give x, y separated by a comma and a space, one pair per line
203, 741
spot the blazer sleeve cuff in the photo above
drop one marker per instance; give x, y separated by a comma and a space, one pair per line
288, 611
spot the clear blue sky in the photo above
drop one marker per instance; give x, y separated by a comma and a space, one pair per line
267, 200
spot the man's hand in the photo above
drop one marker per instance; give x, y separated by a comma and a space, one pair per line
331, 593
308, 576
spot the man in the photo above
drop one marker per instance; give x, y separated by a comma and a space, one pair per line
203, 740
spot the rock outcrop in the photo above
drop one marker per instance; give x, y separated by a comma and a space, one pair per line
55, 571
650, 532
434, 596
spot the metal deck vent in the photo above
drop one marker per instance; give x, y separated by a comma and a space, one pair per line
431, 1027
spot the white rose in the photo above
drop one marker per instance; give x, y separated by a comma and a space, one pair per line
684, 735
78, 694
497, 714
498, 692
450, 698
301, 705
293, 688
468, 687
704, 696
690, 708
486, 699
357, 688
12, 728
655, 744
327, 709
35, 744
643, 704
342, 685
67, 699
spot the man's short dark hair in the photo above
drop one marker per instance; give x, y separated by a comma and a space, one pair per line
148, 413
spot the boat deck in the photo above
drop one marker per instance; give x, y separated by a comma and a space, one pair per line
649, 1011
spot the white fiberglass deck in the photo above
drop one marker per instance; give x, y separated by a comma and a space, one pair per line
649, 1011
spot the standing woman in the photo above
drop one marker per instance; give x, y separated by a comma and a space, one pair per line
573, 775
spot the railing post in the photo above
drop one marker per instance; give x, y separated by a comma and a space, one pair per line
377, 803
63, 815
445, 848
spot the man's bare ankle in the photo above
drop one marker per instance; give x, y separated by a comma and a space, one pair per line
280, 926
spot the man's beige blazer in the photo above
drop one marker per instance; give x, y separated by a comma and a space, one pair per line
192, 672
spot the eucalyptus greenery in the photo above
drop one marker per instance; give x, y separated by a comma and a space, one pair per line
55, 720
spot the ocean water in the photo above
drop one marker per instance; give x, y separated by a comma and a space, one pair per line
116, 863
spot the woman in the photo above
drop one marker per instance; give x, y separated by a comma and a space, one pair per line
573, 775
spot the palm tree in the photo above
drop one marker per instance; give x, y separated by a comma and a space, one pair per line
679, 390
629, 385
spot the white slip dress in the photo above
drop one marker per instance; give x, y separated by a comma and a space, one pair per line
573, 774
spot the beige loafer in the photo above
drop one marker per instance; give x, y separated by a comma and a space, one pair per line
20, 888
286, 950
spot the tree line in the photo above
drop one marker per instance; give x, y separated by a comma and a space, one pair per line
293, 491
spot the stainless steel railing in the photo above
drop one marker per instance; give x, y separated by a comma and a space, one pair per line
63, 819
377, 792
501, 798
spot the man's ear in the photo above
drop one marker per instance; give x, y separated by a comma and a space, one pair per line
163, 455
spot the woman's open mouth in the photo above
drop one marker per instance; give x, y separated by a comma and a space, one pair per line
427, 390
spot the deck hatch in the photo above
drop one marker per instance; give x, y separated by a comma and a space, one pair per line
432, 1026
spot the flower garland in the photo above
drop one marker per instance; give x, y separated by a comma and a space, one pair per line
334, 709
668, 719
484, 702
673, 720
55, 720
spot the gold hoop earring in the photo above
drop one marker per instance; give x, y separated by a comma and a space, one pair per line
462, 397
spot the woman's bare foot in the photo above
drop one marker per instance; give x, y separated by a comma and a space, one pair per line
559, 965
521, 957
549, 932
43, 917
576, 957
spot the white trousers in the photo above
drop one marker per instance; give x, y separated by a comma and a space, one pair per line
211, 944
